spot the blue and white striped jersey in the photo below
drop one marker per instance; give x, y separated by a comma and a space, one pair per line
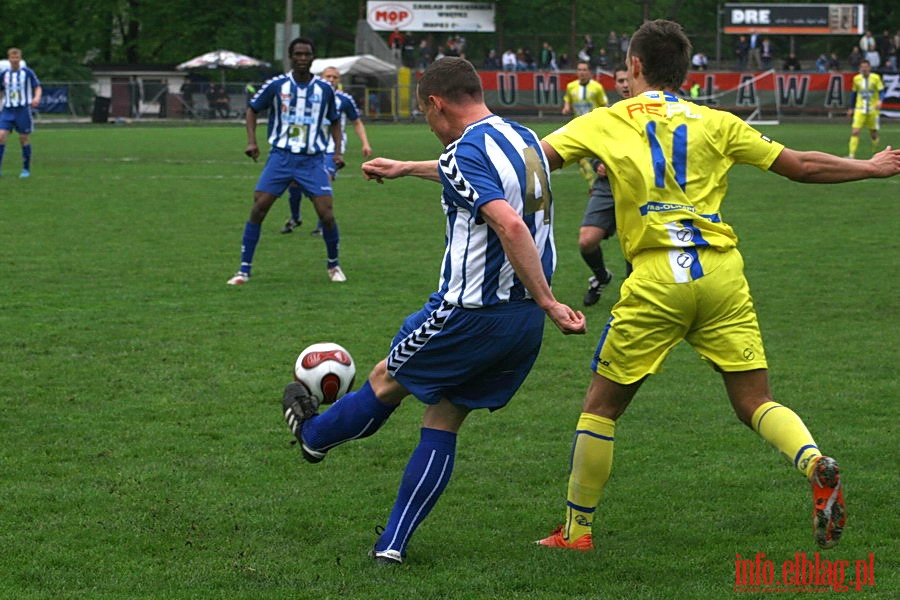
18, 87
493, 159
346, 107
299, 113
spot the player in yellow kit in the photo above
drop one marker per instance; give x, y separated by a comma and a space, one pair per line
668, 159
583, 95
866, 95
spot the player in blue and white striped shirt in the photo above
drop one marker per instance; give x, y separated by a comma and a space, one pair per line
21, 93
346, 107
475, 340
302, 115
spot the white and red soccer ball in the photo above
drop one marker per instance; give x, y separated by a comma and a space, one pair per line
327, 370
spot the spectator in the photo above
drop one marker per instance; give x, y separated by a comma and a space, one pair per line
834, 64
602, 60
424, 54
741, 53
563, 61
854, 58
452, 47
187, 97
584, 54
509, 60
897, 50
755, 58
589, 44
492, 61
219, 105
612, 46
395, 43
869, 48
459, 43
623, 45
887, 50
821, 64
524, 60
548, 58
767, 53
699, 61
754, 51
792, 63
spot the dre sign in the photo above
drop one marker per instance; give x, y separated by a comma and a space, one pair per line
794, 19
750, 16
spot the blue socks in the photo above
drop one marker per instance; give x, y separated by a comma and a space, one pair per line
332, 240
295, 195
26, 157
357, 415
248, 245
360, 414
2, 150
425, 478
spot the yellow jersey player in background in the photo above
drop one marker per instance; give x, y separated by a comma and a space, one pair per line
668, 160
583, 95
866, 95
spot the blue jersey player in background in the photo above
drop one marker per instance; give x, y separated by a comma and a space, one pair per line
474, 342
21, 93
346, 107
302, 114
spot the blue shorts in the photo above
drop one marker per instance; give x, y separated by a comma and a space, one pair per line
330, 166
283, 167
476, 358
18, 119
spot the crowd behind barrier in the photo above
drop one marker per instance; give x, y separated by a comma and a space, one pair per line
514, 93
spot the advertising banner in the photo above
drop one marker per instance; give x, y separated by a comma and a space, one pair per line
54, 99
789, 94
451, 17
795, 19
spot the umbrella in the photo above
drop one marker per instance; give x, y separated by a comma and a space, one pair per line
222, 59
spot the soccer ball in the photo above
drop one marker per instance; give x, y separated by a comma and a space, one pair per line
327, 370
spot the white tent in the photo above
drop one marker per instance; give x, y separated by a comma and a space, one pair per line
360, 64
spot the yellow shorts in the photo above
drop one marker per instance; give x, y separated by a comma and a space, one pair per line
699, 295
863, 120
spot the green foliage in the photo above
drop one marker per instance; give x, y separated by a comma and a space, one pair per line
166, 32
144, 454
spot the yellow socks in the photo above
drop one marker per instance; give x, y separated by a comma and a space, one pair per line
592, 454
781, 427
854, 144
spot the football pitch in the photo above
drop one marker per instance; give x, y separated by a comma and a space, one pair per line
144, 454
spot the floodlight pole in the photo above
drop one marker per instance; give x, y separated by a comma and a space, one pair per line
288, 20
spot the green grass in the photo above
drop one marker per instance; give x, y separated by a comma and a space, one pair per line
143, 453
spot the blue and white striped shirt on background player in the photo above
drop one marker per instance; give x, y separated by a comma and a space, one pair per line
475, 270
299, 114
18, 87
346, 107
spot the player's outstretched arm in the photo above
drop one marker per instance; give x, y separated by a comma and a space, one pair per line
380, 169
553, 157
523, 255
819, 167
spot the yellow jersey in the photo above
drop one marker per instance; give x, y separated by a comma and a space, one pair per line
868, 91
667, 161
585, 98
